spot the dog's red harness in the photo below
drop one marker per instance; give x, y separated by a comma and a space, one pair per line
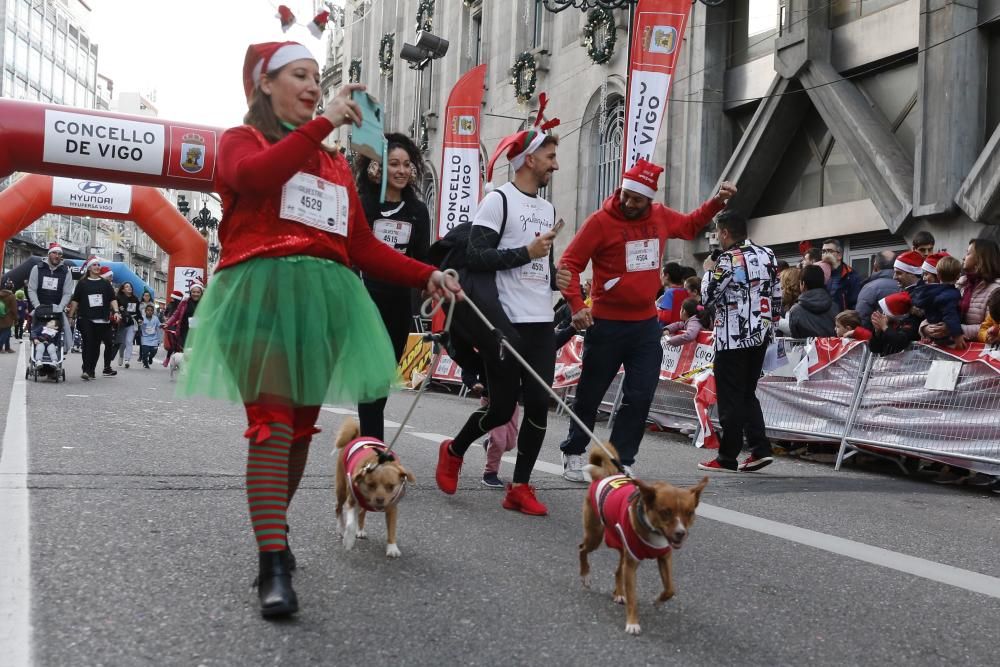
611, 498
357, 451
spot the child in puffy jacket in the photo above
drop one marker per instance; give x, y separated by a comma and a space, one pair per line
694, 318
150, 336
940, 302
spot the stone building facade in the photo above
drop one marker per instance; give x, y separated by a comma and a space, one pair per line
866, 120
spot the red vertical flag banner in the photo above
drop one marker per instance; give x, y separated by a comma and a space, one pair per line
656, 42
460, 188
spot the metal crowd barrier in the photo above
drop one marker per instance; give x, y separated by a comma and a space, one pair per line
896, 412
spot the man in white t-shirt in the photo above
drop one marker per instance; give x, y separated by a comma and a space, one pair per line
512, 235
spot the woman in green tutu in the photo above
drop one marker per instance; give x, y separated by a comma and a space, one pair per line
292, 224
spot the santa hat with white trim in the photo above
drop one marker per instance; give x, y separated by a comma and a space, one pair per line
896, 306
930, 263
107, 273
910, 261
520, 145
197, 282
642, 178
268, 57
55, 247
93, 259
177, 295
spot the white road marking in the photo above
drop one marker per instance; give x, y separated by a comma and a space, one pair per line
354, 413
15, 559
340, 411
77, 395
920, 567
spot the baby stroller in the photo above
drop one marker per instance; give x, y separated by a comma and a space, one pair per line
46, 361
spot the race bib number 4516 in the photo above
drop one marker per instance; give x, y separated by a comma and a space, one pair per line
316, 202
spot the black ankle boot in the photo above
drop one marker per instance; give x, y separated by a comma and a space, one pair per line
277, 598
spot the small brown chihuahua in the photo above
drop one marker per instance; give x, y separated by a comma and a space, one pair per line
364, 484
639, 520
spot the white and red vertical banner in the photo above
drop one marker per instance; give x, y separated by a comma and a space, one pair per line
458, 194
656, 42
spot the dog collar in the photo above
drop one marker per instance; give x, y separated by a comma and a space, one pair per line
641, 515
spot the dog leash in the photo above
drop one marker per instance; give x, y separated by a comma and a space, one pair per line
506, 344
427, 310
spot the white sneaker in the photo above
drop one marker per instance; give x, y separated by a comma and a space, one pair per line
573, 468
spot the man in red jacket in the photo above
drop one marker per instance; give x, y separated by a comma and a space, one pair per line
624, 241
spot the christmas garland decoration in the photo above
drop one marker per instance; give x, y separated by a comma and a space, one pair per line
385, 54
524, 75
600, 21
425, 15
354, 71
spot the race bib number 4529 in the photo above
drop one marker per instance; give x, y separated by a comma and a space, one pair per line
315, 202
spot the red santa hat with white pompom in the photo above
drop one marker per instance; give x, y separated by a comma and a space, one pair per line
267, 57
517, 147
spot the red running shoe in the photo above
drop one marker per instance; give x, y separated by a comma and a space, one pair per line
714, 466
754, 463
522, 498
447, 470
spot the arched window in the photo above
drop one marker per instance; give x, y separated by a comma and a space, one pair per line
607, 142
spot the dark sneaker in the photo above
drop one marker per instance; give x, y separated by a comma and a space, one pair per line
86, 376
522, 499
715, 466
448, 467
755, 463
951, 476
995, 488
109, 372
493, 481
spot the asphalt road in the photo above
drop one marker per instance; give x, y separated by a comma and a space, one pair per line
141, 553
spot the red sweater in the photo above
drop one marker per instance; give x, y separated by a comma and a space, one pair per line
603, 239
250, 176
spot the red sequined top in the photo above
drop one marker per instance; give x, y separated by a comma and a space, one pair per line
250, 176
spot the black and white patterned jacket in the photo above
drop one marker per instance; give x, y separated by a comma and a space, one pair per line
742, 289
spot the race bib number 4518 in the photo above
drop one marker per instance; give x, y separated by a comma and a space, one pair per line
316, 202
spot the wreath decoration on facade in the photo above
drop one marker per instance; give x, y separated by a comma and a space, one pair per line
354, 71
385, 54
425, 15
600, 35
524, 76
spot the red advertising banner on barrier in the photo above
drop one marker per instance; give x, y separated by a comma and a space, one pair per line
656, 42
679, 360
458, 194
447, 370
975, 352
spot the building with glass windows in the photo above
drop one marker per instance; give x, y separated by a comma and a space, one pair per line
865, 120
48, 57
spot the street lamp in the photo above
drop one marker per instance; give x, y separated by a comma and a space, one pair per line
428, 47
204, 221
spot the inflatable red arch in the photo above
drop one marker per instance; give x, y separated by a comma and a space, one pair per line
89, 152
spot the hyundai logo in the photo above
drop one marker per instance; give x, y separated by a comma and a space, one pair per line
92, 187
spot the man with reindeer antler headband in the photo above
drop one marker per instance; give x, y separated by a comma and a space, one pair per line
511, 279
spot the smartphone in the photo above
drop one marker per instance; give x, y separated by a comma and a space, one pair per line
369, 138
556, 228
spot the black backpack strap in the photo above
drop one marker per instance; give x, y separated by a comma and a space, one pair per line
503, 221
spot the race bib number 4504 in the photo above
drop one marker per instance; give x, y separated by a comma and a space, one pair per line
316, 202
642, 255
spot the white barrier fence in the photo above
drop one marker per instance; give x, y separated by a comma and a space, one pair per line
926, 401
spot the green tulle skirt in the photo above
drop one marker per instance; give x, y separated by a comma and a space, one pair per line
300, 328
